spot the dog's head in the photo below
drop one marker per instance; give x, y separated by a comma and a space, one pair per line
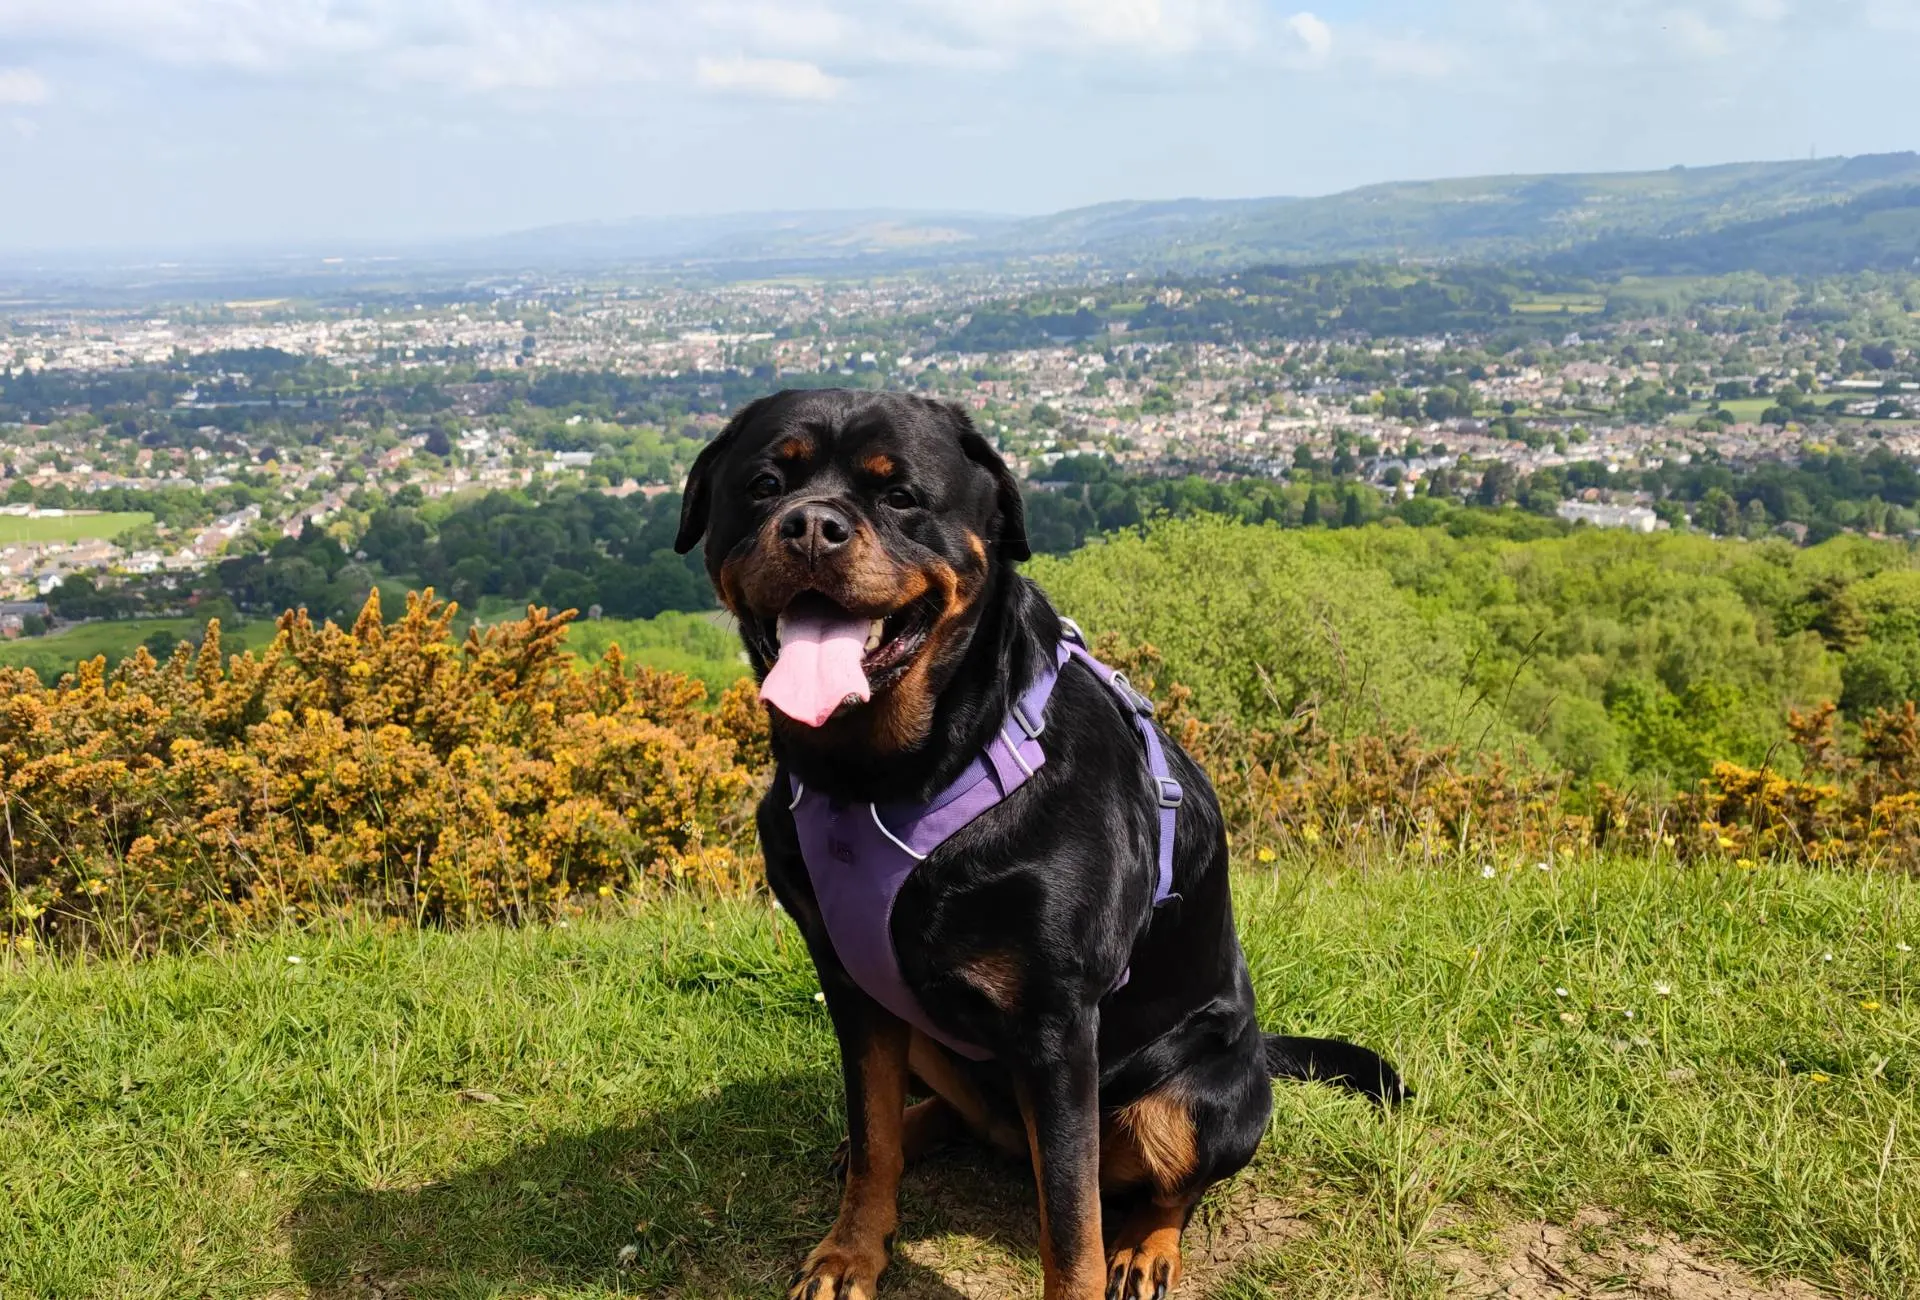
856, 534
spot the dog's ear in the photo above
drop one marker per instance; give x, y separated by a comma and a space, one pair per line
696, 500
1011, 507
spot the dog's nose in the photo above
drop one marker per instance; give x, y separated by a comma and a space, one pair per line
813, 529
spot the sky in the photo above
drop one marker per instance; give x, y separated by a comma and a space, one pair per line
201, 124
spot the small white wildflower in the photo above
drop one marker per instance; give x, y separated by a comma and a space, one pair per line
820, 997
1487, 872
1543, 866
626, 1256
1628, 1013
1903, 947
1663, 990
1561, 993
1826, 956
561, 924
295, 961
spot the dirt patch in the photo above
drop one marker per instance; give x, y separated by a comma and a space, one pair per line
977, 1234
970, 1232
1594, 1257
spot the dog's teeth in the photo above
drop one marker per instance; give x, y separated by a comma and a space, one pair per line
780, 630
873, 634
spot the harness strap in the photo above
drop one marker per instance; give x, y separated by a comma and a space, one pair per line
1139, 709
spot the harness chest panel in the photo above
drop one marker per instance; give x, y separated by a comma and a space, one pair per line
858, 855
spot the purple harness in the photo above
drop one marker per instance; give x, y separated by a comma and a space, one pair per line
859, 855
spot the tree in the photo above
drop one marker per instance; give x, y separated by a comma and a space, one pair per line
1496, 485
438, 444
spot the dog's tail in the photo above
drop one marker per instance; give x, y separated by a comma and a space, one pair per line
1329, 1060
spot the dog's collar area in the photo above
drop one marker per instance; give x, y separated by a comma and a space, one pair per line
859, 855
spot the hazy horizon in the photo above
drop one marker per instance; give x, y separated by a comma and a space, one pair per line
197, 123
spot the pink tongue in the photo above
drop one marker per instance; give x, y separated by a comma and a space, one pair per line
818, 667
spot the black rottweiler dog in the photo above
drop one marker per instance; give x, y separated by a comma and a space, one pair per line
873, 537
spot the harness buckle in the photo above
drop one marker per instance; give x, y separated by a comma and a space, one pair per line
1170, 792
1136, 700
1032, 727
1072, 629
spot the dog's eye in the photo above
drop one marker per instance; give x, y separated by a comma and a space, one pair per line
899, 498
764, 486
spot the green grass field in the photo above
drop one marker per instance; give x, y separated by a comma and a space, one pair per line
694, 644
1574, 304
69, 528
644, 1103
687, 643
59, 651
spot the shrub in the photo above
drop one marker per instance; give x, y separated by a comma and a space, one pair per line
381, 767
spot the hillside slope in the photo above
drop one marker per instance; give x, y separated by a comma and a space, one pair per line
1493, 217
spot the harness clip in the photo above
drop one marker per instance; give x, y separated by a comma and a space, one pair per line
1170, 792
1072, 629
1136, 700
1026, 724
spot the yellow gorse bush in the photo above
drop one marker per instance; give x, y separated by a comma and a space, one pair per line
389, 768
386, 766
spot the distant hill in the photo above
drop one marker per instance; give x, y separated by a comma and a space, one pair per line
748, 237
1879, 231
1806, 217
1489, 217
1724, 210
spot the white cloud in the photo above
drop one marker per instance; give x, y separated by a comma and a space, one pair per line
773, 78
1139, 27
1315, 37
503, 44
1694, 35
1409, 57
22, 86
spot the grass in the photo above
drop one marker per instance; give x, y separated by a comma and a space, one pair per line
499, 1112
685, 643
1578, 304
59, 651
69, 528
694, 644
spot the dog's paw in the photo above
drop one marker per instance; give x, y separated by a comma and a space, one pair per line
1146, 1270
836, 1272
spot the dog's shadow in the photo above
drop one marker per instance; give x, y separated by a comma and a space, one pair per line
723, 1196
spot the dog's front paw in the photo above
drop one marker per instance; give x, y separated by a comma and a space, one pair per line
1146, 1269
837, 1272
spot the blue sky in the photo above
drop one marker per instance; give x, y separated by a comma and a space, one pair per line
176, 123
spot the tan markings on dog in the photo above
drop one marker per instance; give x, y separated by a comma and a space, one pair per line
794, 448
880, 465
1080, 1275
997, 975
927, 1126
978, 547
1149, 1140
904, 715
849, 1261
1146, 1253
860, 576
934, 1067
